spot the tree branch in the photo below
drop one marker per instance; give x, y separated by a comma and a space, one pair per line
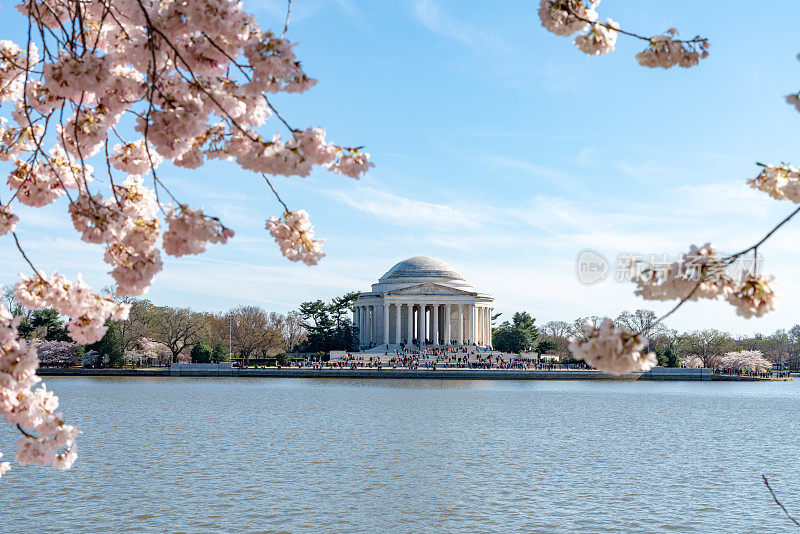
775, 498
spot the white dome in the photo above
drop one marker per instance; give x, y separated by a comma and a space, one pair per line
422, 267
420, 270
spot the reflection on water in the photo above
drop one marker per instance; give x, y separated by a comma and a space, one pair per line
295, 455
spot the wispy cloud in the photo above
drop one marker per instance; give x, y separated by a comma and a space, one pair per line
402, 210
302, 11
498, 162
430, 15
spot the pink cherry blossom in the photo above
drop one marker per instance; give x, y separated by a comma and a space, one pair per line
189, 231
295, 236
612, 349
8, 221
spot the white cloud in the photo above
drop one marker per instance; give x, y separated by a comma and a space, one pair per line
401, 210
432, 17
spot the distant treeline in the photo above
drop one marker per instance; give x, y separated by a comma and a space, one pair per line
158, 335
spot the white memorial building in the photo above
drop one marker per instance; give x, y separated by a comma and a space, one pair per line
423, 298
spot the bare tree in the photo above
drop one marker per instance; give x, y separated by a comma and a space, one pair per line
708, 345
139, 322
580, 322
558, 332
11, 303
250, 330
641, 321
292, 331
177, 328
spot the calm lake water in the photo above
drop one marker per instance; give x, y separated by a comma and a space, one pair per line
297, 455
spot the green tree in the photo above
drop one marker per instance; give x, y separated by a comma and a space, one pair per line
25, 328
318, 322
517, 336
524, 321
328, 325
282, 358
709, 345
671, 357
48, 319
545, 346
508, 338
111, 345
201, 352
220, 353
667, 356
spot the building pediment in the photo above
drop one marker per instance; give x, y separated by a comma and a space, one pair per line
429, 289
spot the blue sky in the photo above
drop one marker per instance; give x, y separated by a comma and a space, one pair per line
500, 149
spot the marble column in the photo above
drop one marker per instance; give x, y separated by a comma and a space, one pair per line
460, 315
435, 324
447, 334
478, 324
471, 329
421, 324
360, 325
483, 326
429, 322
487, 327
410, 325
357, 322
398, 315
366, 324
483, 331
371, 324
385, 322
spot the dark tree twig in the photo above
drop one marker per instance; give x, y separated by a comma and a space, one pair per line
775, 498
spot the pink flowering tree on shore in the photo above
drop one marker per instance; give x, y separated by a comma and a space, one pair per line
98, 97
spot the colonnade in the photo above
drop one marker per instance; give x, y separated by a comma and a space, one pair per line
432, 323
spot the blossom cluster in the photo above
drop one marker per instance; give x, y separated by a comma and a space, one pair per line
189, 231
701, 274
567, 17
600, 39
295, 236
14, 62
296, 156
88, 312
664, 51
611, 348
8, 221
46, 439
750, 361
781, 182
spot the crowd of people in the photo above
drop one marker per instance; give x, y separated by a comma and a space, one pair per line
757, 374
437, 357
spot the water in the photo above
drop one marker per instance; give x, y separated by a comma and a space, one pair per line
295, 455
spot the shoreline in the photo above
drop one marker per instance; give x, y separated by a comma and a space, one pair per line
403, 374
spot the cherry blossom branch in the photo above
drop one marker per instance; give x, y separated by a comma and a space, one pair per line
673, 310
25, 256
767, 236
24, 433
285, 207
775, 498
288, 13
696, 40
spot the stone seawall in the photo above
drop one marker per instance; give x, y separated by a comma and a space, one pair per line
439, 374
